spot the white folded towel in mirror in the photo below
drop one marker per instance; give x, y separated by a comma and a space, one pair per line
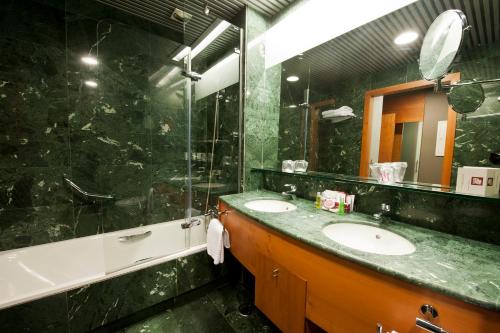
217, 239
343, 111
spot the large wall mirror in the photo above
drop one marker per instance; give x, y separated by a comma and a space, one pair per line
361, 98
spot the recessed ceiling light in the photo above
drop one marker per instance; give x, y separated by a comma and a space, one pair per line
89, 60
406, 38
91, 83
292, 78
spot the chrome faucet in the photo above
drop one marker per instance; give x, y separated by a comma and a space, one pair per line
381, 216
290, 194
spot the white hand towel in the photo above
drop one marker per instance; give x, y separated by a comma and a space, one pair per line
215, 241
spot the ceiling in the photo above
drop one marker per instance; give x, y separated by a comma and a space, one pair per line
159, 11
370, 48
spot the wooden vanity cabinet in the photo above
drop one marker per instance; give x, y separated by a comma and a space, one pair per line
281, 295
341, 296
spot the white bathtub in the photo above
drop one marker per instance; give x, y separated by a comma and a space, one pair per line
34, 272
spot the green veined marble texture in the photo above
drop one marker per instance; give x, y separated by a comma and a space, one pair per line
467, 217
455, 266
124, 138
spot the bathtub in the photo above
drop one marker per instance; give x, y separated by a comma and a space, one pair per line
38, 271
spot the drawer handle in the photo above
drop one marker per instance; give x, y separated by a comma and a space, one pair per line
429, 327
129, 238
276, 272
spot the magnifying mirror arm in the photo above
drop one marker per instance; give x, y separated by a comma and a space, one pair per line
468, 83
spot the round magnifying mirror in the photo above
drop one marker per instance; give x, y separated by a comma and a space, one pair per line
466, 98
441, 44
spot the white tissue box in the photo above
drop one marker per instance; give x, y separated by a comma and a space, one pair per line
478, 180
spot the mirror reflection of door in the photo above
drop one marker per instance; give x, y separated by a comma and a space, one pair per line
409, 127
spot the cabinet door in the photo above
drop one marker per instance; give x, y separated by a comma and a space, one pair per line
281, 295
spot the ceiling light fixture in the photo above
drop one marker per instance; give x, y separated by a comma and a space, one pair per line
292, 78
91, 84
216, 32
90, 60
406, 38
292, 106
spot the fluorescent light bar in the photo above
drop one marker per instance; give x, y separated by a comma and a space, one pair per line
91, 83
212, 35
89, 60
182, 54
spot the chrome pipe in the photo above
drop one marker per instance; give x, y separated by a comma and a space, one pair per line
88, 196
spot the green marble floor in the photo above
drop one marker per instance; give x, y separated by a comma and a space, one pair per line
213, 312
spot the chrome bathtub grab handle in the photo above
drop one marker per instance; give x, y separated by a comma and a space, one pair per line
87, 195
133, 237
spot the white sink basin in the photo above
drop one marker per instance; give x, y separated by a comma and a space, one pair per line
270, 206
368, 239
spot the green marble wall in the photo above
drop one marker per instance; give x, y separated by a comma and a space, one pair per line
126, 138
262, 105
479, 134
225, 159
470, 218
95, 305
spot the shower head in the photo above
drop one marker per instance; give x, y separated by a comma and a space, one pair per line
180, 16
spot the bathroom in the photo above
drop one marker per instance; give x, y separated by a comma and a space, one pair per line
250, 166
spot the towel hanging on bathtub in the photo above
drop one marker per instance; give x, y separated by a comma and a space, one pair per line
217, 239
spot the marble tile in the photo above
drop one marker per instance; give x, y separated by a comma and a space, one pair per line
48, 315
23, 227
162, 322
101, 303
413, 72
215, 311
199, 315
388, 78
469, 218
262, 105
88, 220
32, 187
33, 21
227, 301
195, 271
447, 259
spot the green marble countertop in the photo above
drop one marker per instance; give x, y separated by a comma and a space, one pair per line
465, 269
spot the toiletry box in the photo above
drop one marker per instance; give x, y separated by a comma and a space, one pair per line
478, 180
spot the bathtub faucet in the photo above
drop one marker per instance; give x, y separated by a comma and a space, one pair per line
192, 223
